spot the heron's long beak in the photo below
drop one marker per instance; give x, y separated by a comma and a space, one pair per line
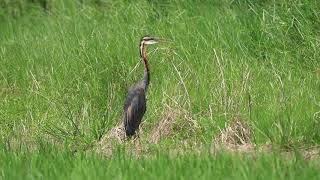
161, 40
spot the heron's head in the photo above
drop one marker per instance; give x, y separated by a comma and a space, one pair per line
147, 40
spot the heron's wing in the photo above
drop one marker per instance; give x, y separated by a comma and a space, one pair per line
134, 111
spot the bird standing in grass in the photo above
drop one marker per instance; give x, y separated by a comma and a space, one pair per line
135, 104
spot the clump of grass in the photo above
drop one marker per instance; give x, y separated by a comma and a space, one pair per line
235, 136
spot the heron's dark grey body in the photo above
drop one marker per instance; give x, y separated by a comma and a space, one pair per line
134, 108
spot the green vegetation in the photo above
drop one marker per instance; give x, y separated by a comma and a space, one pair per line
65, 67
56, 165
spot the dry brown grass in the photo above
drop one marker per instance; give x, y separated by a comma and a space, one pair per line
311, 153
164, 127
175, 119
115, 135
162, 130
235, 137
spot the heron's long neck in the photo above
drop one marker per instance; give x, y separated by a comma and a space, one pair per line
143, 55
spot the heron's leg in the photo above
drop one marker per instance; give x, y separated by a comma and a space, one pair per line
138, 133
138, 142
136, 137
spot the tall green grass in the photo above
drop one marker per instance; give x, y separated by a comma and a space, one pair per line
64, 73
53, 164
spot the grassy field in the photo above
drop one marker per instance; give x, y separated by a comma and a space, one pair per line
65, 71
56, 165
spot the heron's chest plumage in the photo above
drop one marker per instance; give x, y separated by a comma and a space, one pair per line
136, 96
